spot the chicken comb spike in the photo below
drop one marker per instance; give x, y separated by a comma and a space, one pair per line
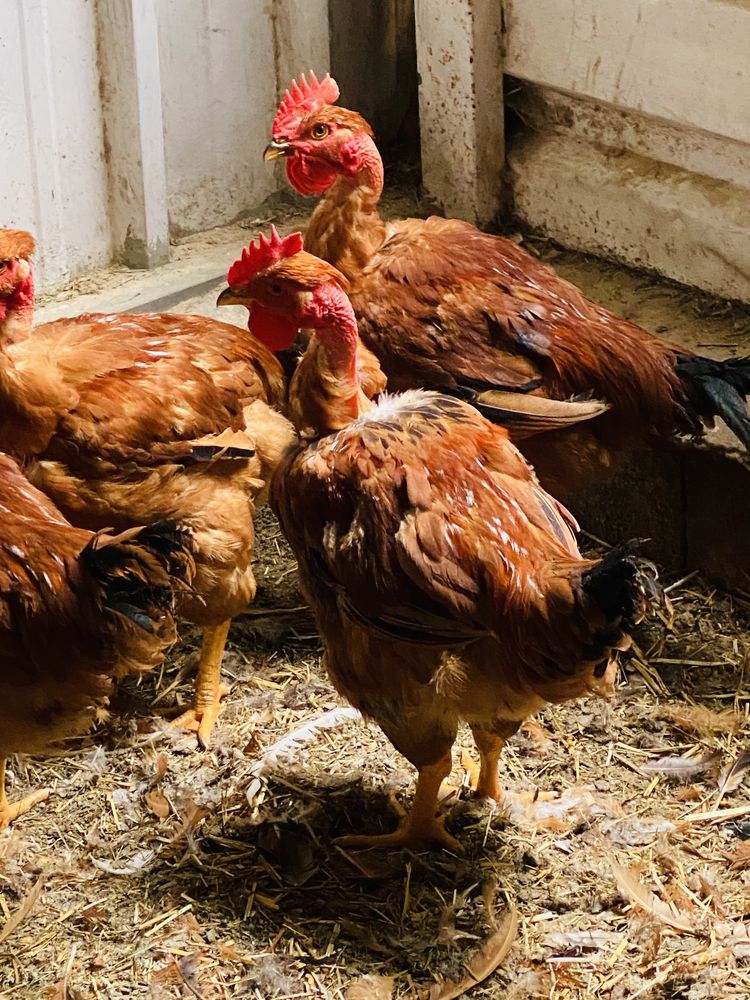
258, 257
301, 100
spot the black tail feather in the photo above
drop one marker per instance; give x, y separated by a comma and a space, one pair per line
719, 388
140, 569
624, 585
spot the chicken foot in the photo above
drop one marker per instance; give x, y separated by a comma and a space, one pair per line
201, 718
10, 811
420, 828
536, 808
490, 746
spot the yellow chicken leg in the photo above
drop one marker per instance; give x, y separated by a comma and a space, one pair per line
10, 811
419, 828
201, 718
489, 746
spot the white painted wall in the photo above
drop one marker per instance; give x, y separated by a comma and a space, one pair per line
52, 161
461, 105
684, 61
190, 88
637, 141
219, 97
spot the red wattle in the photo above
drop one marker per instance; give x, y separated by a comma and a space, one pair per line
275, 331
308, 175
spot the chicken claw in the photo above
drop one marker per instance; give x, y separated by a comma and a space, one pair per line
418, 829
408, 835
201, 718
10, 811
209, 690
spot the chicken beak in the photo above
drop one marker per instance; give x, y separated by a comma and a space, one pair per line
277, 148
229, 297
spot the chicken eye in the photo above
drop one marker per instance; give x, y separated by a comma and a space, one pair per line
3, 265
276, 288
319, 131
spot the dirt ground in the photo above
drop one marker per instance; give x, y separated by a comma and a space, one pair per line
157, 871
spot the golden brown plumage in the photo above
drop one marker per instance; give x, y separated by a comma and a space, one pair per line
131, 419
446, 582
446, 306
76, 611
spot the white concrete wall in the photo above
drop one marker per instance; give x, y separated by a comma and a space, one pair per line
459, 55
638, 131
219, 98
684, 61
216, 67
52, 162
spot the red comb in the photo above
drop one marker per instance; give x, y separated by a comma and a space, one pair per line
267, 252
303, 99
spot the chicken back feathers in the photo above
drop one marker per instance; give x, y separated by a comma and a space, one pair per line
76, 611
474, 308
446, 306
420, 523
139, 388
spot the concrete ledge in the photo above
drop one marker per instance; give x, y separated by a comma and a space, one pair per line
690, 227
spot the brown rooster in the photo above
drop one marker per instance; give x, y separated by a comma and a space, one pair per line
132, 419
77, 610
287, 342
445, 581
446, 306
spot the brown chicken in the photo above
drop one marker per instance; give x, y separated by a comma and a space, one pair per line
132, 419
445, 581
446, 306
77, 610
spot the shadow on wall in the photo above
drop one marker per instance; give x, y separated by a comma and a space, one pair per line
374, 61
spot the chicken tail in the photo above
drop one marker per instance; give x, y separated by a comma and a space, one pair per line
719, 388
134, 577
623, 586
525, 415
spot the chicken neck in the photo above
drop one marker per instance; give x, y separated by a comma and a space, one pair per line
325, 391
17, 312
346, 227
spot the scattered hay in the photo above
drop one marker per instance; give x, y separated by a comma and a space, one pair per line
156, 870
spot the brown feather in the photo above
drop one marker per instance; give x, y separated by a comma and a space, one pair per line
16, 243
64, 633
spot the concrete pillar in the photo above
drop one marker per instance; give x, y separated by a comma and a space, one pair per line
134, 130
35, 98
459, 58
